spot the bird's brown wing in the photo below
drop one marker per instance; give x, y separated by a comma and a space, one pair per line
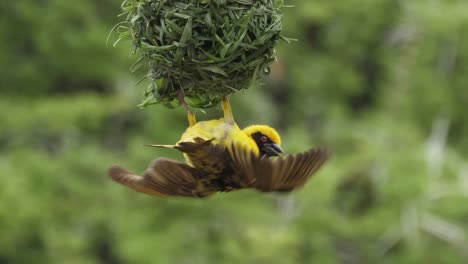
164, 177
279, 174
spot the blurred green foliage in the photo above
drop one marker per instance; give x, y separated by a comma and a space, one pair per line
383, 83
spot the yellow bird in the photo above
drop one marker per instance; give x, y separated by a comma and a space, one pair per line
220, 158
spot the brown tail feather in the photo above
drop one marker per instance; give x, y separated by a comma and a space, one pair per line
162, 146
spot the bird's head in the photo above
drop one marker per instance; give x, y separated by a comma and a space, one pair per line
266, 138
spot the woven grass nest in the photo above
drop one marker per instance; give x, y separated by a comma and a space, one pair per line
202, 49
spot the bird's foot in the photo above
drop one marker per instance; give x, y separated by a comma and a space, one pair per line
190, 115
228, 117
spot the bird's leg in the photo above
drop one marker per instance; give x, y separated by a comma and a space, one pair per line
190, 115
228, 117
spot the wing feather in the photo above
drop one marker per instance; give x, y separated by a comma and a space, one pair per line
163, 178
242, 164
277, 174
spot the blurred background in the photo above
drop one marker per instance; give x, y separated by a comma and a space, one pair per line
382, 83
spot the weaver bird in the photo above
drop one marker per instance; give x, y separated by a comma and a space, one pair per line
220, 157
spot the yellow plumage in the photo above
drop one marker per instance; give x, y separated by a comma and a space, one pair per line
222, 157
266, 130
221, 132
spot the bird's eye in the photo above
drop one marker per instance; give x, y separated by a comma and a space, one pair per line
264, 139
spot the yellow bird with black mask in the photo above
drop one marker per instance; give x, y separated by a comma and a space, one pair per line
221, 157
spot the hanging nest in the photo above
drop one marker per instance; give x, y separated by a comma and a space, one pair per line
203, 49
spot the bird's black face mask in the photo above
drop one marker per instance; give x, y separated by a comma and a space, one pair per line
266, 146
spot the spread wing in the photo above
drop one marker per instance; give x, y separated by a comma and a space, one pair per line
163, 178
281, 174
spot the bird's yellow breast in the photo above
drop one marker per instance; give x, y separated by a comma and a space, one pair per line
223, 135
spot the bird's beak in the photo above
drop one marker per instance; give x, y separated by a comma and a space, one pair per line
272, 149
